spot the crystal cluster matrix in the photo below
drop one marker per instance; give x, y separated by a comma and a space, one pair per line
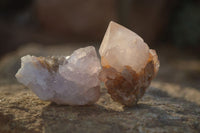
64, 80
128, 64
128, 67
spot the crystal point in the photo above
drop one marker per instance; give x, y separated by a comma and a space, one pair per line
128, 64
120, 42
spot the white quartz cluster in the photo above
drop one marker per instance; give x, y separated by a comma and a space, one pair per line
65, 80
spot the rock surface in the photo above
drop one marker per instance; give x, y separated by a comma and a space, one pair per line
171, 104
22, 111
65, 80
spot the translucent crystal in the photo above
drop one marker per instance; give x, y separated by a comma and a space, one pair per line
65, 80
121, 47
128, 64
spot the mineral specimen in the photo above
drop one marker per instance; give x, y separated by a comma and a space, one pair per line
128, 64
64, 80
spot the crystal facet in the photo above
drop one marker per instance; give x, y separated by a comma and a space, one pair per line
65, 80
128, 64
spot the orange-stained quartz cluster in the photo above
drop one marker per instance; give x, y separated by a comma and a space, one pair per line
127, 86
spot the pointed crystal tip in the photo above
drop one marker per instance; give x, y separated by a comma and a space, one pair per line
120, 42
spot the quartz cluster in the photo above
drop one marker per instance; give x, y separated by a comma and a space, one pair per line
64, 80
128, 64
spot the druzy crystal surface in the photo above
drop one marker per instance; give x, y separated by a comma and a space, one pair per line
128, 64
64, 80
